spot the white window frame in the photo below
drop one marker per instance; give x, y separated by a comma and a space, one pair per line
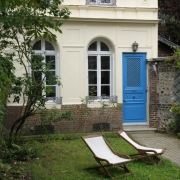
100, 2
100, 53
45, 53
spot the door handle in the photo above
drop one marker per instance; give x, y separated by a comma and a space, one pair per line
124, 100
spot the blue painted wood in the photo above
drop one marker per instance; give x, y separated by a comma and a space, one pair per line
134, 88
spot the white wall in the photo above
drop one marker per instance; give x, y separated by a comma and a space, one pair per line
73, 52
120, 3
129, 21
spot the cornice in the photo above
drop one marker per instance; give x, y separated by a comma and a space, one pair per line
116, 8
104, 20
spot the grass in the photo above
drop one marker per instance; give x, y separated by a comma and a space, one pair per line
66, 160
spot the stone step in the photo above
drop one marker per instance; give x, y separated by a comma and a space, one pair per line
141, 131
138, 128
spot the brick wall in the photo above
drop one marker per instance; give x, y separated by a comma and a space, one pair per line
12, 113
82, 124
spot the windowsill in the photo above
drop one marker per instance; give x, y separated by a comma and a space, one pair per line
99, 104
102, 5
55, 100
52, 105
100, 99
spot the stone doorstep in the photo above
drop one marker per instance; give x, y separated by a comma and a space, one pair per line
138, 128
141, 131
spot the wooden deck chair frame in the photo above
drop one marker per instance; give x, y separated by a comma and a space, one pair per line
104, 154
146, 154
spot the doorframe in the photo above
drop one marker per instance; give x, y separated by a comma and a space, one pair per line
147, 88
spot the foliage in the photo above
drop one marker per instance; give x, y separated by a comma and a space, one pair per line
175, 125
54, 115
13, 158
50, 116
169, 25
21, 22
6, 78
104, 112
175, 60
178, 135
19, 151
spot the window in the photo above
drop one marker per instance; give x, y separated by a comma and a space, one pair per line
46, 49
101, 2
100, 70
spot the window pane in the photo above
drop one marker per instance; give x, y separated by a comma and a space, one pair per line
49, 46
92, 1
105, 62
105, 90
105, 77
92, 77
93, 47
101, 2
50, 91
133, 72
92, 90
92, 62
37, 45
104, 47
50, 78
105, 1
50, 62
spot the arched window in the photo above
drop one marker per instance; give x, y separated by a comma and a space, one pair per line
51, 57
100, 70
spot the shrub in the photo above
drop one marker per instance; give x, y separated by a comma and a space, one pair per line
20, 152
175, 125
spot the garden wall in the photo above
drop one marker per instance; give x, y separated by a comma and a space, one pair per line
161, 90
161, 95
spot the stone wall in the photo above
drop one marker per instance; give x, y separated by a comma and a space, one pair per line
161, 95
161, 90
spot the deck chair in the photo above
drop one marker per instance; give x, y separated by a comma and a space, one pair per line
105, 156
147, 154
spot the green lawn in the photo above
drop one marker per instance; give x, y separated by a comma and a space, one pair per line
66, 160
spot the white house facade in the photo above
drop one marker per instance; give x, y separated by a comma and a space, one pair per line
94, 55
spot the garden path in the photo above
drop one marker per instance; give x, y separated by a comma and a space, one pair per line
158, 140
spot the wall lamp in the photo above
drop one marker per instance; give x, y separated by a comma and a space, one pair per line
135, 46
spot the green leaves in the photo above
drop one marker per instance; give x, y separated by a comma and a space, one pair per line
169, 25
6, 78
21, 22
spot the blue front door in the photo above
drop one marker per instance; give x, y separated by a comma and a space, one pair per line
134, 88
